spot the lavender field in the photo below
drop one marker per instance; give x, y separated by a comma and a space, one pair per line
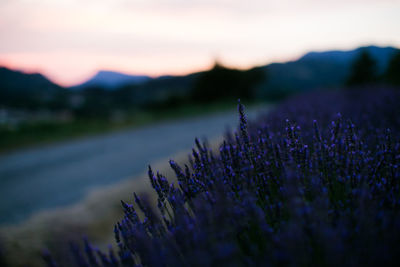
314, 183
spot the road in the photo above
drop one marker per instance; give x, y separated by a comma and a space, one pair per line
62, 174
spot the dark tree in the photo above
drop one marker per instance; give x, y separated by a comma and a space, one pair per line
363, 70
224, 83
392, 74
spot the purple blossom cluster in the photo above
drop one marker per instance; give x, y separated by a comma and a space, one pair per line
314, 183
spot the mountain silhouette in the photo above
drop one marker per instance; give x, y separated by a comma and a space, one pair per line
316, 70
381, 54
112, 80
20, 89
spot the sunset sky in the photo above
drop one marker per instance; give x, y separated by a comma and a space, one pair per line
69, 40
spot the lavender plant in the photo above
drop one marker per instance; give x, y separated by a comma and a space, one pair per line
314, 183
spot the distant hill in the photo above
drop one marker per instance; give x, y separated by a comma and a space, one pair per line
315, 70
381, 54
112, 80
20, 89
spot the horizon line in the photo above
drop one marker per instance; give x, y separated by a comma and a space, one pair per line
156, 75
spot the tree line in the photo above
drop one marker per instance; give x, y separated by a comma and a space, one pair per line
364, 71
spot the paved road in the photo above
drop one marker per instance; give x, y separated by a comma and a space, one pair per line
62, 174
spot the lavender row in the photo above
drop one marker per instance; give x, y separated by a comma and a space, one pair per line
314, 183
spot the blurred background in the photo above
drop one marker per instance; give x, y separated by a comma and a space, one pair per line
91, 92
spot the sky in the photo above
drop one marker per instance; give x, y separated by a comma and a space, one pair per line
70, 40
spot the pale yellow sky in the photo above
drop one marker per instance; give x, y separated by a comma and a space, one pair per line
69, 40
